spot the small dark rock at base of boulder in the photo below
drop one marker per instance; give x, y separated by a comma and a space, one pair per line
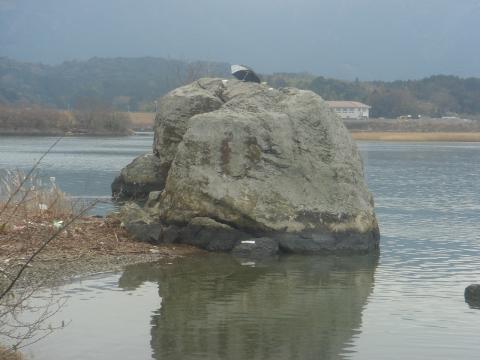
171, 234
317, 242
140, 224
139, 178
256, 248
210, 235
472, 295
154, 233
150, 233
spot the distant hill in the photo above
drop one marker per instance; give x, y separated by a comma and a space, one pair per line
434, 96
124, 84
438, 95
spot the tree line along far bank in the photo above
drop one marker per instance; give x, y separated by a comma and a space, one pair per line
133, 84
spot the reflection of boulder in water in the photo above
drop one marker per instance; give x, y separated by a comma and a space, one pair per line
294, 308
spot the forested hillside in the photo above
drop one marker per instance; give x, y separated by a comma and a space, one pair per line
121, 83
435, 96
134, 84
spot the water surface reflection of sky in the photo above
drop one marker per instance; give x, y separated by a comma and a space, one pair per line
408, 305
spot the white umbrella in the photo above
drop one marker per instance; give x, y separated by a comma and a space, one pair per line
241, 72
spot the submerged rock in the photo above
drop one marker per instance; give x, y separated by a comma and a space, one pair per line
251, 161
256, 248
210, 235
472, 295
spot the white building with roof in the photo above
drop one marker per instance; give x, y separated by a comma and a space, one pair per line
350, 109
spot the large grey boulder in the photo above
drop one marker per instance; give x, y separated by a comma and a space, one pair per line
264, 162
139, 178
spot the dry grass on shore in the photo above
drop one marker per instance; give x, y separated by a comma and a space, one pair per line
7, 354
144, 120
86, 237
38, 211
38, 120
417, 136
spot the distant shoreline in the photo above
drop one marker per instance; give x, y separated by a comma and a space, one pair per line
416, 136
356, 135
47, 133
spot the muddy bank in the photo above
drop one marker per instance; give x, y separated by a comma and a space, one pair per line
90, 245
55, 272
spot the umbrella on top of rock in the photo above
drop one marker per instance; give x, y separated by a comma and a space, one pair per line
244, 73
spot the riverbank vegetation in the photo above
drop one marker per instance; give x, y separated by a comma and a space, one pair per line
9, 354
38, 120
417, 136
423, 125
423, 129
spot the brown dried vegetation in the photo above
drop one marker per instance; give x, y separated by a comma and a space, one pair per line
38, 120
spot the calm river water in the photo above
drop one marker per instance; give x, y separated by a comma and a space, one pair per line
405, 304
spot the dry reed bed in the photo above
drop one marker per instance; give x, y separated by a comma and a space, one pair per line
35, 211
8, 354
85, 237
417, 136
141, 119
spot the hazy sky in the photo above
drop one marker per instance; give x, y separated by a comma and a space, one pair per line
368, 39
